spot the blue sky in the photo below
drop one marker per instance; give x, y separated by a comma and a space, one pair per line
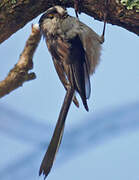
114, 83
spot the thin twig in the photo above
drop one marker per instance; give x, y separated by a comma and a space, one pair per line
20, 73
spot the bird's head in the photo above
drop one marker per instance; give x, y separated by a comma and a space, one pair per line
49, 20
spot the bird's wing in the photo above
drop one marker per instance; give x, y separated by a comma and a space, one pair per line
71, 54
92, 45
62, 76
91, 41
79, 69
68, 49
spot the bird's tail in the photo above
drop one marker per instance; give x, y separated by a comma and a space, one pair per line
53, 147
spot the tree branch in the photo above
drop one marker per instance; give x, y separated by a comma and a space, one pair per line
19, 74
15, 14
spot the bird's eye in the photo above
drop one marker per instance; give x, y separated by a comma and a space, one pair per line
51, 16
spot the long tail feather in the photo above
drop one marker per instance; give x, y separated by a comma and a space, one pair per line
53, 147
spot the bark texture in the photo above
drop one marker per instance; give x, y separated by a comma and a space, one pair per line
20, 73
14, 14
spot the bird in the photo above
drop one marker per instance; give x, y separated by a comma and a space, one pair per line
75, 49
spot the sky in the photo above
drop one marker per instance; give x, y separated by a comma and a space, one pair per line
114, 84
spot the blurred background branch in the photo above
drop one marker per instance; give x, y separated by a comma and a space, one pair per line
93, 131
